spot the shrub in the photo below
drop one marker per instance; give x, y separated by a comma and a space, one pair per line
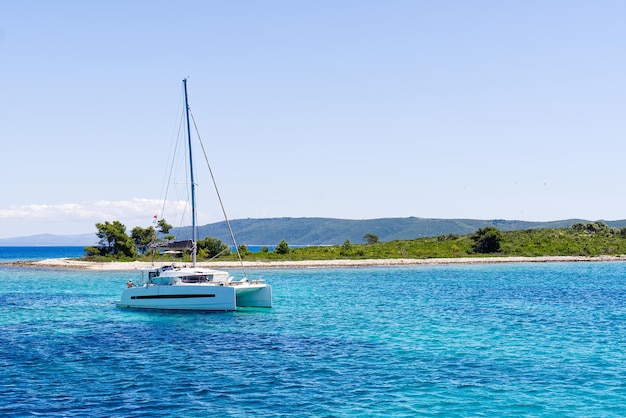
282, 248
370, 238
243, 249
487, 240
346, 248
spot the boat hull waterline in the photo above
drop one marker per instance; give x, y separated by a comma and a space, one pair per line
198, 297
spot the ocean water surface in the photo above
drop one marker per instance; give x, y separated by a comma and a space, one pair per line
22, 253
528, 339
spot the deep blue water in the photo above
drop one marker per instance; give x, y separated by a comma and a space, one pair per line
39, 253
544, 339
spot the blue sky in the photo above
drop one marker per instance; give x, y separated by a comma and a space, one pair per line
345, 109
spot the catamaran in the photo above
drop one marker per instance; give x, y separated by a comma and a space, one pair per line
194, 288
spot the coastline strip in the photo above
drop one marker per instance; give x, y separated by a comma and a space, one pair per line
135, 265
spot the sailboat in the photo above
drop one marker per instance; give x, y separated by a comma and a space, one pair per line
193, 288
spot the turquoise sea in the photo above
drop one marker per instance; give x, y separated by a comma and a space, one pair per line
533, 339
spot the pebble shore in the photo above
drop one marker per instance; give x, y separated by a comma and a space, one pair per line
134, 265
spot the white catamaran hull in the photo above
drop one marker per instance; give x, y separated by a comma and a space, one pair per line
182, 297
254, 296
197, 297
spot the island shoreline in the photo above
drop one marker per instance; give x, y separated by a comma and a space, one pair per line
66, 263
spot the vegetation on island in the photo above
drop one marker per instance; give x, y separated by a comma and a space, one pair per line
581, 239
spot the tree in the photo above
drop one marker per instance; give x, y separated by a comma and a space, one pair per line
243, 250
595, 227
163, 228
212, 247
370, 238
143, 237
591, 227
92, 251
114, 240
487, 240
126, 248
282, 248
346, 248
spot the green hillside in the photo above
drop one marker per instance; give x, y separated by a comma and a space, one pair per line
580, 240
330, 231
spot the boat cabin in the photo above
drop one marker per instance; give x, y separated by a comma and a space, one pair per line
169, 275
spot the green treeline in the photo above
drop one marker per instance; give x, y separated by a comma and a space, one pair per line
590, 239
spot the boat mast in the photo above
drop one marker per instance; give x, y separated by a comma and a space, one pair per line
194, 238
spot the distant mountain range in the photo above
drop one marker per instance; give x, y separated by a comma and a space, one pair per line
330, 231
318, 231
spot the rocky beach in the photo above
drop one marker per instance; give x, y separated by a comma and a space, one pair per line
135, 265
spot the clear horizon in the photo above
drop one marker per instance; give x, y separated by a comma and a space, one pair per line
352, 110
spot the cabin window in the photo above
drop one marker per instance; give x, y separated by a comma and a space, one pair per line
194, 279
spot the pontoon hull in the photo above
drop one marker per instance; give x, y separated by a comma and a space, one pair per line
198, 297
254, 296
193, 298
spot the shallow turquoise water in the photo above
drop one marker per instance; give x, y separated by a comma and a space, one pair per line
497, 340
